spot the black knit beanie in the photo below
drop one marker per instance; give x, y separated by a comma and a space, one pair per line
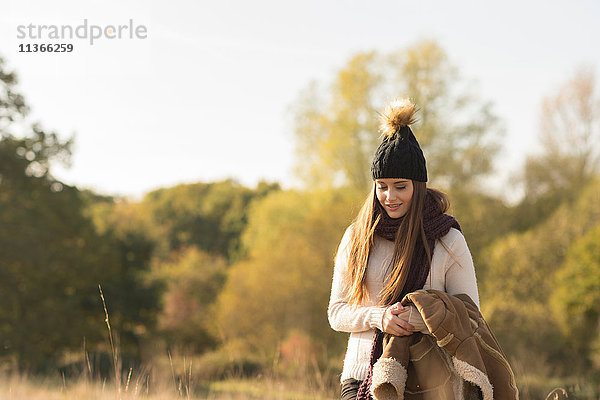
399, 155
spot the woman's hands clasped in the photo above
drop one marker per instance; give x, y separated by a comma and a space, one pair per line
395, 320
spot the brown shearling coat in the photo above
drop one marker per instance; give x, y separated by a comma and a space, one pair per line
460, 360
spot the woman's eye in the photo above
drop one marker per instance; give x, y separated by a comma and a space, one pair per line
400, 187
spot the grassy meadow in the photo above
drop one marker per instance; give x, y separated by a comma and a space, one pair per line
19, 387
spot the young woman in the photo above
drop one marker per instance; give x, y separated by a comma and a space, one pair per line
401, 241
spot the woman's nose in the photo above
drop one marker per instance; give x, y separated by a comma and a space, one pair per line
391, 195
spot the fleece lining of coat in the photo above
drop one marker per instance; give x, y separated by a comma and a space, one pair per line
389, 380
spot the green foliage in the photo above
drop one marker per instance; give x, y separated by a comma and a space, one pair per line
534, 210
132, 299
193, 280
476, 213
170, 251
210, 216
51, 256
576, 300
521, 264
197, 228
520, 280
285, 282
54, 256
50, 265
12, 103
579, 279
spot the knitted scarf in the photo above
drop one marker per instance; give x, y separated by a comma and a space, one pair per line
436, 225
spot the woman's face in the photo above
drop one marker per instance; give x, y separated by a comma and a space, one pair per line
394, 195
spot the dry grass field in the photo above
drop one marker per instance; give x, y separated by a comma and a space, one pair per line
28, 388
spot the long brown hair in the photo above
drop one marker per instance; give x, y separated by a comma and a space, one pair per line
410, 231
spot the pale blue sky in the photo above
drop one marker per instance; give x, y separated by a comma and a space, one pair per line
204, 97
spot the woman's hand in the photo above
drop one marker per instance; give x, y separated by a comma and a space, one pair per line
395, 320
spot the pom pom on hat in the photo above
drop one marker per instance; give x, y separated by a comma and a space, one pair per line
398, 114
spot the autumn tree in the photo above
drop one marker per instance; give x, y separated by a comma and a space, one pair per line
129, 240
576, 299
521, 278
284, 283
336, 128
50, 261
570, 148
210, 216
55, 251
192, 282
569, 136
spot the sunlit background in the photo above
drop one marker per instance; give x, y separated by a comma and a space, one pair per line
216, 163
223, 75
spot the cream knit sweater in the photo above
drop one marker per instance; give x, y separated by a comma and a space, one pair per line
452, 271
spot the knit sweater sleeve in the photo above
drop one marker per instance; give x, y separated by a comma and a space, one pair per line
460, 271
344, 317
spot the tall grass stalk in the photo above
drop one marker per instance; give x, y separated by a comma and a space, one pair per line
178, 388
112, 346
